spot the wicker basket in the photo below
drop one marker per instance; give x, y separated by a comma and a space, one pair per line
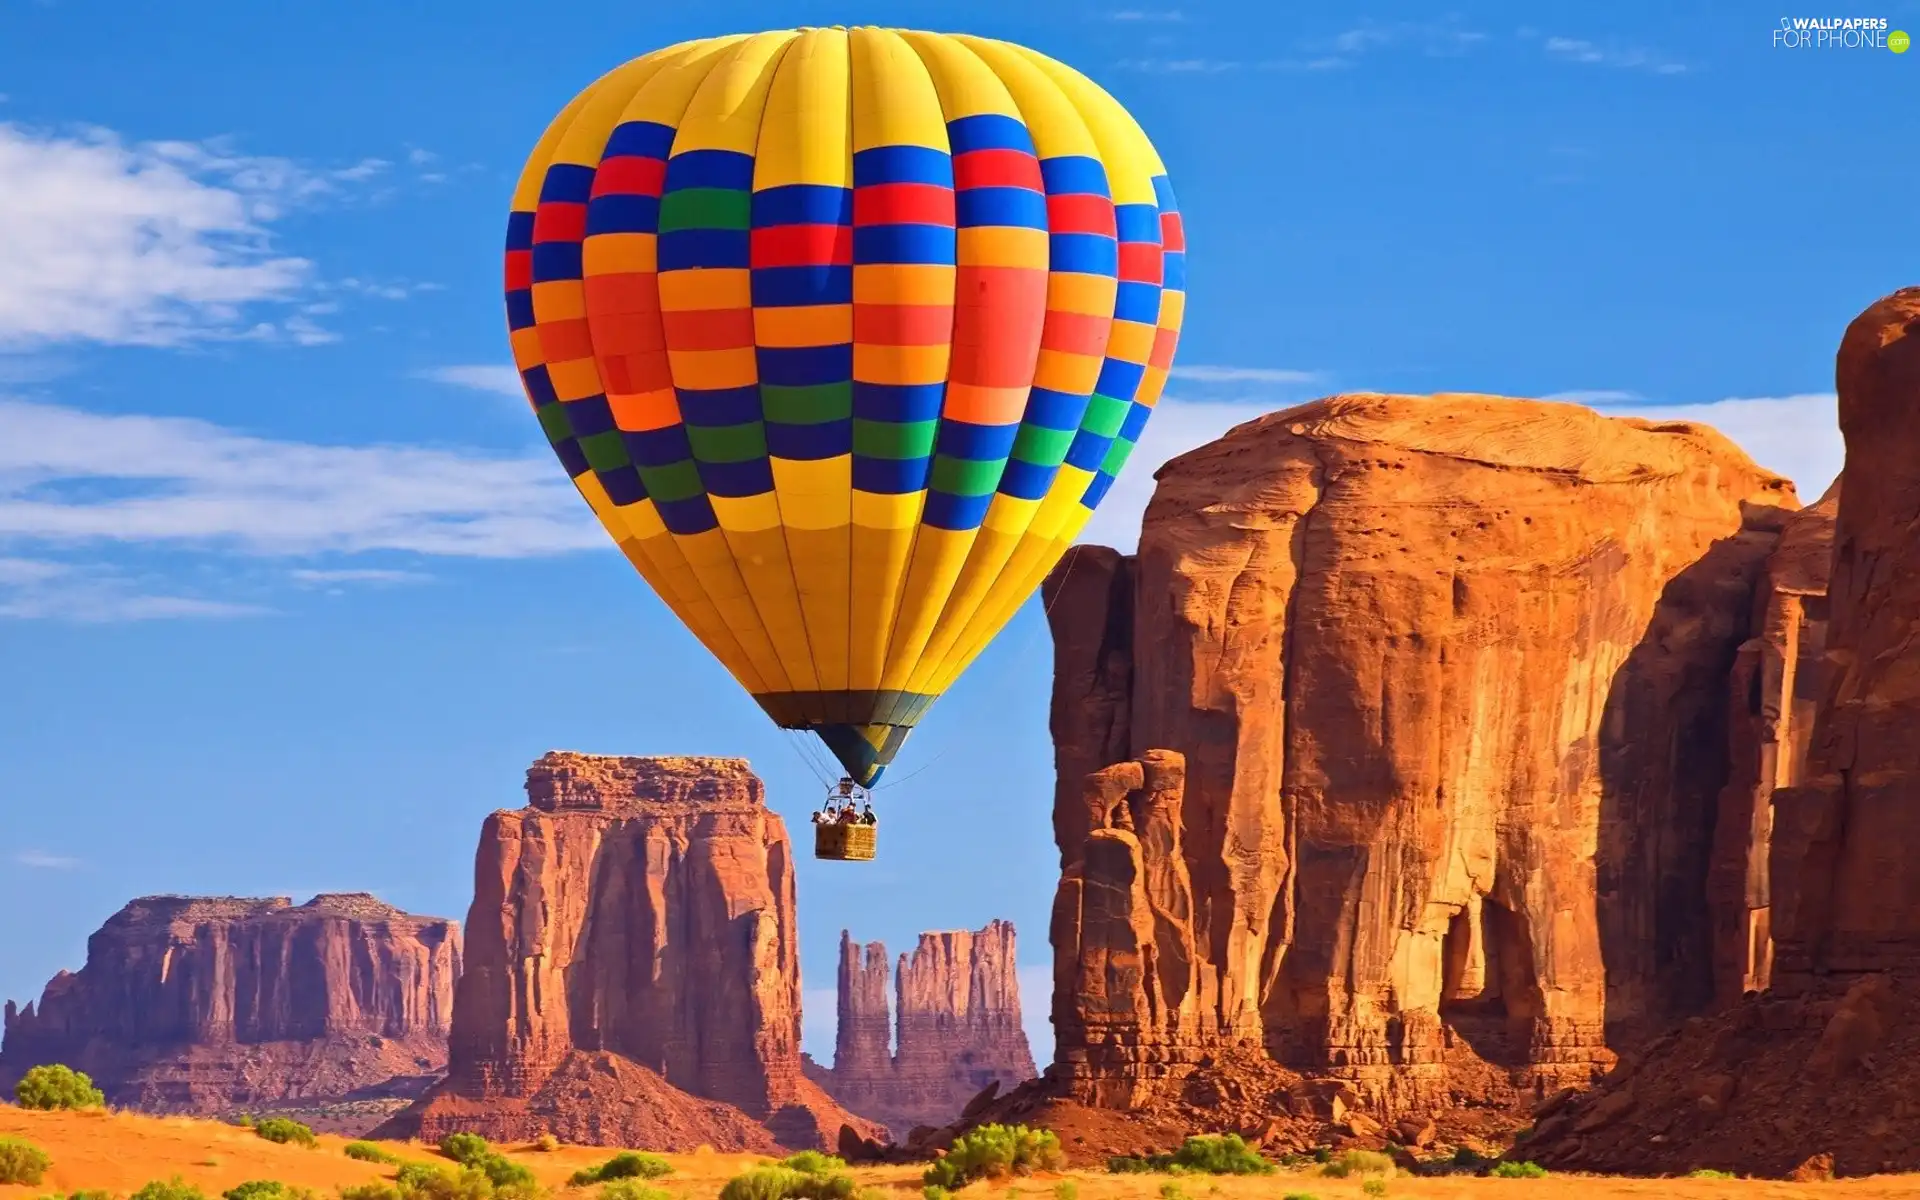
844, 843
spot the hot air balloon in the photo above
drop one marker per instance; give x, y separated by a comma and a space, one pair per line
843, 334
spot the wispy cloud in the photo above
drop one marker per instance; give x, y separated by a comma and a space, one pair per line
1205, 373
482, 377
1622, 57
1177, 66
1326, 62
1142, 14
314, 577
41, 589
40, 860
1445, 38
74, 478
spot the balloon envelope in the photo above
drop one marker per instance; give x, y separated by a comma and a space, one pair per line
843, 334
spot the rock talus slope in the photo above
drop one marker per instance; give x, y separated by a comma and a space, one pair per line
1822, 1065
1394, 752
205, 1005
632, 969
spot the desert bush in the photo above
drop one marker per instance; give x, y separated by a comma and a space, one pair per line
934, 1191
1519, 1170
370, 1191
464, 1148
1299, 1196
22, 1162
434, 1183
813, 1162
1228, 1155
785, 1183
1358, 1162
632, 1189
628, 1164
1374, 1187
284, 1130
415, 1174
57, 1086
1468, 1157
175, 1188
1128, 1164
1066, 1189
546, 1143
255, 1189
1171, 1191
990, 1151
368, 1152
1709, 1173
502, 1172
82, 1194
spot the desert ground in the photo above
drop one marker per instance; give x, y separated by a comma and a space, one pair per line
118, 1152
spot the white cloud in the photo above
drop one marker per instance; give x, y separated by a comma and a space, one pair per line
37, 589
151, 244
40, 860
1435, 38
1198, 373
1628, 58
69, 477
1797, 436
1177, 66
482, 377
323, 578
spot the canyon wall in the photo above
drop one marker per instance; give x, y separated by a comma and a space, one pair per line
957, 1000
632, 970
206, 1005
1395, 751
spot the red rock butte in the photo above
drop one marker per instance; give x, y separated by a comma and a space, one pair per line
632, 971
955, 1029
1393, 754
206, 1005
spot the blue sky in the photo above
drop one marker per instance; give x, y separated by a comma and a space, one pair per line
291, 590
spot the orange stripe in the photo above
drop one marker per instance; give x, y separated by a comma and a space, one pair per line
710, 329
562, 341
1075, 333
646, 410
984, 405
636, 292
804, 325
904, 324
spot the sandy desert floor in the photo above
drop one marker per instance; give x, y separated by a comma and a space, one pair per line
118, 1152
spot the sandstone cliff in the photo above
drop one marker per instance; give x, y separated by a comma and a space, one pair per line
1395, 751
1823, 1064
958, 1028
208, 1005
632, 970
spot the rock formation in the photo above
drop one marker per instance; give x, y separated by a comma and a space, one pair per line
1395, 751
959, 1028
1773, 692
208, 1005
632, 967
1822, 1065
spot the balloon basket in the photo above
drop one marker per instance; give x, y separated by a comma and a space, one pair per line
844, 843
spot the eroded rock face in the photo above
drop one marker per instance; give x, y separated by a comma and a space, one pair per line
1773, 692
1846, 846
1399, 742
959, 1027
204, 1005
636, 916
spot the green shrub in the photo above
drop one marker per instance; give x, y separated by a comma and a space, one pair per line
56, 1086
285, 1131
813, 1162
546, 1143
632, 1189
22, 1162
1066, 1189
417, 1174
1171, 1191
990, 1151
1127, 1164
1228, 1155
1709, 1173
370, 1191
1467, 1156
464, 1148
1358, 1162
1519, 1170
82, 1194
1374, 1187
439, 1184
244, 1120
503, 1172
1299, 1196
785, 1183
368, 1152
934, 1191
628, 1164
255, 1189
175, 1188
